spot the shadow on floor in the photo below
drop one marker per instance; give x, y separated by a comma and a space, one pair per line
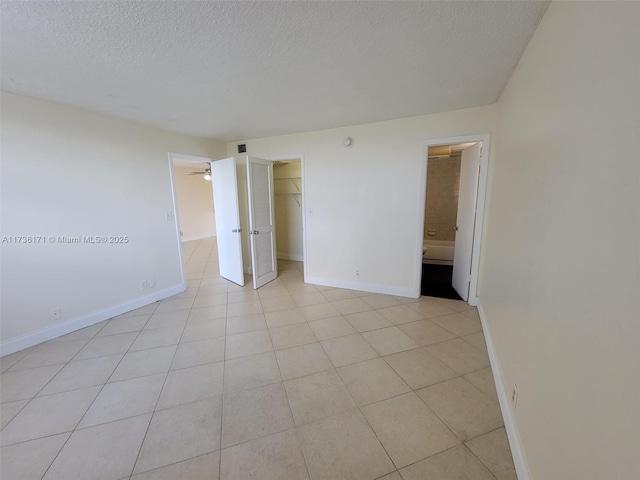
436, 281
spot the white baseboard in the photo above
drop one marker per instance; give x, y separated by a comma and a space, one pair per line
54, 331
290, 256
197, 237
364, 287
519, 459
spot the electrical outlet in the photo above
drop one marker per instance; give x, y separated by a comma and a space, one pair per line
55, 313
144, 284
357, 273
514, 396
152, 283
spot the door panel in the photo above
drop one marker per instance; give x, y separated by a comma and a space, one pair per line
227, 214
262, 233
467, 199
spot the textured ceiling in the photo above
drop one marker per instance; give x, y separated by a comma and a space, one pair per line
236, 70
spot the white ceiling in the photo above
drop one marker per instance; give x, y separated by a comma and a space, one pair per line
238, 70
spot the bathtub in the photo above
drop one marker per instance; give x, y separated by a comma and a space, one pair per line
437, 252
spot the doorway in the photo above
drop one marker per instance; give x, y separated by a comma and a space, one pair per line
454, 186
193, 212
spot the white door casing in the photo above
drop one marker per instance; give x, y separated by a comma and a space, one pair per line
465, 223
262, 235
227, 214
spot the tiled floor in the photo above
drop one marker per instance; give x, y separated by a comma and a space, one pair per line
292, 381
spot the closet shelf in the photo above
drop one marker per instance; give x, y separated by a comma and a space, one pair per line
296, 181
294, 195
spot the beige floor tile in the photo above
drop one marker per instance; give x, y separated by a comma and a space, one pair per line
458, 324
199, 353
400, 314
250, 343
117, 326
317, 396
9, 410
419, 368
457, 462
157, 337
455, 305
250, 372
191, 384
307, 299
292, 336
25, 384
331, 328
483, 381
103, 346
466, 411
297, 287
203, 330
391, 476
110, 449
425, 332
272, 304
83, 334
281, 318
209, 299
247, 323
146, 310
35, 420
10, 360
472, 314
276, 457
372, 381
460, 355
30, 460
477, 340
273, 291
174, 305
343, 446
389, 340
365, 321
168, 319
83, 373
320, 311
243, 296
49, 354
380, 301
349, 349
408, 430
244, 308
351, 305
252, 414
429, 307
303, 360
335, 294
204, 467
124, 399
493, 451
180, 433
145, 362
207, 313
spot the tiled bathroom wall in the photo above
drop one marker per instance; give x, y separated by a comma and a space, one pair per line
443, 183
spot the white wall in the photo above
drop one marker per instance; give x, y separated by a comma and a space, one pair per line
70, 172
288, 210
364, 202
560, 285
195, 203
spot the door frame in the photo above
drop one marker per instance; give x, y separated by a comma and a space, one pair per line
480, 204
303, 203
191, 159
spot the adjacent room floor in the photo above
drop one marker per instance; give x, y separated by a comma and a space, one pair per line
292, 381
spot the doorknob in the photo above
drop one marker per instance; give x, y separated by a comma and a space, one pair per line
236, 230
455, 229
255, 232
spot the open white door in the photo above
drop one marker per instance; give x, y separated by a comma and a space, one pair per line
262, 232
227, 214
467, 200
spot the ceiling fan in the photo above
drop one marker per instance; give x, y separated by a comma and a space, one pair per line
206, 173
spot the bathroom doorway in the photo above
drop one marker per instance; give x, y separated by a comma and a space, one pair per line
455, 181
